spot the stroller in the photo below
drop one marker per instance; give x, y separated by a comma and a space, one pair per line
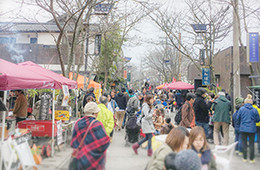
132, 129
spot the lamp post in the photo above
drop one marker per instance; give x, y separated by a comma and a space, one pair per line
199, 29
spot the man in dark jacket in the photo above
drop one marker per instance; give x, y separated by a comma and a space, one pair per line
121, 102
201, 109
221, 117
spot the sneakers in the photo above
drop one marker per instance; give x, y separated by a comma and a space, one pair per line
252, 161
244, 160
240, 153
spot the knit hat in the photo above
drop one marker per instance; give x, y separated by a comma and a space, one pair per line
221, 93
239, 100
91, 107
248, 99
187, 160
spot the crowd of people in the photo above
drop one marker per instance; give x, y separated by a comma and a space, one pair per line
204, 118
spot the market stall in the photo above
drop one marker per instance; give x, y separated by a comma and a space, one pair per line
179, 85
29, 75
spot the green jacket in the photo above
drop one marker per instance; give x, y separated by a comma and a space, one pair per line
105, 116
222, 108
157, 161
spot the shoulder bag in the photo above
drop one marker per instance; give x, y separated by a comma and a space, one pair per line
73, 159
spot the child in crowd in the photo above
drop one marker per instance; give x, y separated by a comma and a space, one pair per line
239, 102
198, 143
167, 126
184, 160
158, 121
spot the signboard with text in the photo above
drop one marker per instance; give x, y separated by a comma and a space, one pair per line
253, 48
205, 76
103, 9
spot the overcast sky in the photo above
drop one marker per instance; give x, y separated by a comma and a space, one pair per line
147, 32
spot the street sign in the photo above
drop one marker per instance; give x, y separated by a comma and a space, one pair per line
103, 9
199, 28
253, 48
205, 76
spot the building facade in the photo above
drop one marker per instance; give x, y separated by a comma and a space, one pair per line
223, 69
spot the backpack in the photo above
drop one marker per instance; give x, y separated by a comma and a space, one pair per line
178, 116
131, 123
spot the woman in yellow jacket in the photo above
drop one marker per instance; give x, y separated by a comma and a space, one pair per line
257, 126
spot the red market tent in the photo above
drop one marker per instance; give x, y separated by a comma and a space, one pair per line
179, 86
80, 81
58, 80
14, 77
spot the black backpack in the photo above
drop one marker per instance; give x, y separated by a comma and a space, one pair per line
178, 116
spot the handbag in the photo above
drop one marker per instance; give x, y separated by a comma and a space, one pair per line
73, 159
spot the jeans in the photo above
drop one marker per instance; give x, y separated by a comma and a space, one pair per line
205, 126
239, 140
148, 136
244, 137
258, 137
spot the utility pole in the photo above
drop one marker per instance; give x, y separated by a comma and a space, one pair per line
236, 56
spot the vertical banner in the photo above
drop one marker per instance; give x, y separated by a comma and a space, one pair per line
205, 76
125, 74
66, 94
253, 48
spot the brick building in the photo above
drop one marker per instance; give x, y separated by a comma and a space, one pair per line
223, 67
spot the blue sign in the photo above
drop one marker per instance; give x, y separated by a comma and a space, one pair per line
103, 9
205, 76
253, 48
199, 28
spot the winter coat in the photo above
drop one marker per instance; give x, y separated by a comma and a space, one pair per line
222, 108
112, 105
121, 101
20, 106
258, 110
187, 113
235, 122
247, 118
201, 109
157, 161
179, 98
105, 116
147, 121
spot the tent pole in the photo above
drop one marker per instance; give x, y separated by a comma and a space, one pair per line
53, 121
3, 129
77, 93
4, 115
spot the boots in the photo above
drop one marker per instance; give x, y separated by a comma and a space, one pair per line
149, 152
135, 147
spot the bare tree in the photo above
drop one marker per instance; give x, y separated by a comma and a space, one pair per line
68, 15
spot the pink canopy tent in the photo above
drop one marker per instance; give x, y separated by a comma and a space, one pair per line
13, 77
179, 86
58, 80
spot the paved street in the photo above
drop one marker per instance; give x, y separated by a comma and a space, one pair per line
120, 157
